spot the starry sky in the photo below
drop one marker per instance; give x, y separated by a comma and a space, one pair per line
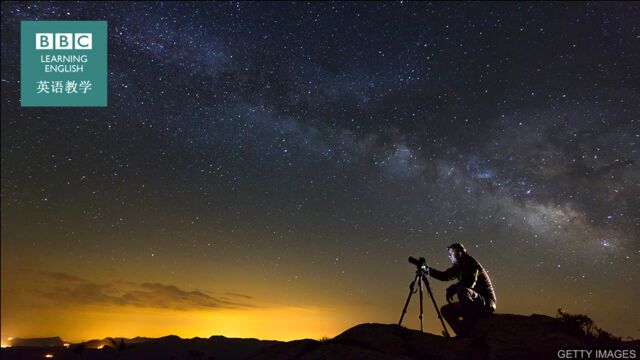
265, 169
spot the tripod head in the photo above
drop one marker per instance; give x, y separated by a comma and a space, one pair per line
421, 264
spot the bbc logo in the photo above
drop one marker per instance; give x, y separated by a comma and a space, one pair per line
64, 41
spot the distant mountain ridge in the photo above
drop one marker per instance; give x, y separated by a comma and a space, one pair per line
502, 336
99, 343
37, 342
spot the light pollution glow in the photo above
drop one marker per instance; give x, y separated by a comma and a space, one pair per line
273, 322
277, 323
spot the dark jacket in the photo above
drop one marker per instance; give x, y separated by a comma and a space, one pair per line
470, 274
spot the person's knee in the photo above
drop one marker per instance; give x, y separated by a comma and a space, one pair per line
446, 309
464, 293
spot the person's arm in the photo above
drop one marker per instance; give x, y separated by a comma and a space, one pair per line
446, 275
468, 274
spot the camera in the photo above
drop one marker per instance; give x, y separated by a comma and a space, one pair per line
421, 263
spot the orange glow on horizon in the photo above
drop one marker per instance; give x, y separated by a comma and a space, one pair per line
283, 323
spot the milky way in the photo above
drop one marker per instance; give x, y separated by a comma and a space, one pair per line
305, 150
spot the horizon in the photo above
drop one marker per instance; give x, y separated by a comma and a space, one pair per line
265, 169
6, 341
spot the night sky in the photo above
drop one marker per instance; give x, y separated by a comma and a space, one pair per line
265, 169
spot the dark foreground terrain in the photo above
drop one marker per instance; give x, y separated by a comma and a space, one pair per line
501, 336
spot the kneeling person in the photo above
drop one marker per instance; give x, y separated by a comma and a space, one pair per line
475, 292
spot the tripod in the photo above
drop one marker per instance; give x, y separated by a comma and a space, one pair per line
421, 278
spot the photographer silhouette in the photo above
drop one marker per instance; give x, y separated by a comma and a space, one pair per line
474, 290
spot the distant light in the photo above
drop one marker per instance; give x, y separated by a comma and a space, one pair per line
49, 356
100, 347
66, 345
10, 338
5, 346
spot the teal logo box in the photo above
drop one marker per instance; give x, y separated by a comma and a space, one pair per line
63, 63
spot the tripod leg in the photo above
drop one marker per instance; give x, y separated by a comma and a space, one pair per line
446, 333
406, 304
421, 309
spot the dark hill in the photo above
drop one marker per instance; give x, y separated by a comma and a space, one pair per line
502, 336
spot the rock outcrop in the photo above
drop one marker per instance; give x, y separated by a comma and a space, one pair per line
501, 336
